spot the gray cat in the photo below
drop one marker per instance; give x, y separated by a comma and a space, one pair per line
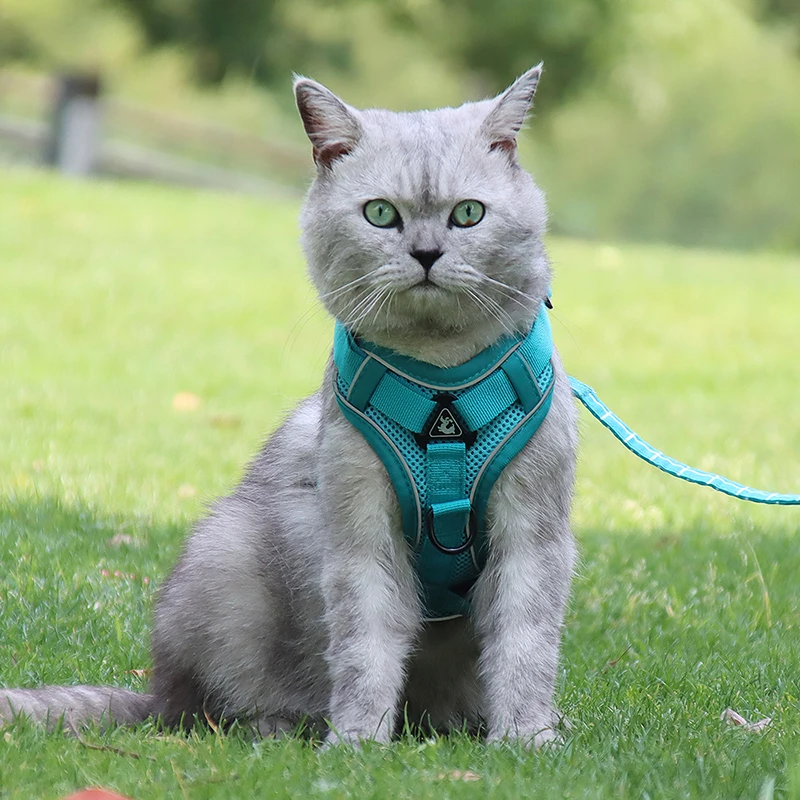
297, 597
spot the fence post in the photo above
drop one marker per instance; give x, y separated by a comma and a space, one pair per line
75, 132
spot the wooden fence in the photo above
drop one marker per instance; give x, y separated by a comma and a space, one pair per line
150, 144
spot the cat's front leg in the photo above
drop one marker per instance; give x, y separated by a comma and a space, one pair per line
520, 610
372, 607
520, 600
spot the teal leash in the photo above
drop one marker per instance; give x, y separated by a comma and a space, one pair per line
603, 414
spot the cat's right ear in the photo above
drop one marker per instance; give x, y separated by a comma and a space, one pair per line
332, 126
504, 122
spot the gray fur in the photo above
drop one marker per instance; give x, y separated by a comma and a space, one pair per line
75, 705
296, 598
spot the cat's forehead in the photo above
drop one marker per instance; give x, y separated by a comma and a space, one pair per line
426, 157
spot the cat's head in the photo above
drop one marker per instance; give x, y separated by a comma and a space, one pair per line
422, 232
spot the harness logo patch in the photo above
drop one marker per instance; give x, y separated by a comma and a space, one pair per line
445, 423
445, 426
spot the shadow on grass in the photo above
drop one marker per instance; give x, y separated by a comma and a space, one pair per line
77, 591
669, 627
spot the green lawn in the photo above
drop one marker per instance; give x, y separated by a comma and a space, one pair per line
114, 298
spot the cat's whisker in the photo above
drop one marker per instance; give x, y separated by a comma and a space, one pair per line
365, 307
297, 329
525, 306
501, 311
388, 296
512, 289
352, 316
355, 303
481, 301
340, 289
363, 316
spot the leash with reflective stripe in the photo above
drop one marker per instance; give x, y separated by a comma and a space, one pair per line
601, 412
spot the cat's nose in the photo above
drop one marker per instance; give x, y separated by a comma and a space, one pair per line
427, 258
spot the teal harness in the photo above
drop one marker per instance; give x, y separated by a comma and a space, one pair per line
444, 436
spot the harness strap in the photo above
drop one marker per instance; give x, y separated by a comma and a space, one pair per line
536, 349
445, 472
481, 405
518, 371
365, 380
371, 383
402, 403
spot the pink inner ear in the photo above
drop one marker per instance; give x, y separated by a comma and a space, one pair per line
325, 156
506, 145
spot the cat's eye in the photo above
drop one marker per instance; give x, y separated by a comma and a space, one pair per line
381, 214
467, 213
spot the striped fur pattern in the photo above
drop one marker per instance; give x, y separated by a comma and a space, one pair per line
295, 599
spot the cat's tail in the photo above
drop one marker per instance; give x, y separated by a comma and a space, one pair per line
75, 706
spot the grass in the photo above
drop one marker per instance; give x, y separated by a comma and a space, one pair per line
116, 298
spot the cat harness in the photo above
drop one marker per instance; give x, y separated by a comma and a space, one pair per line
444, 436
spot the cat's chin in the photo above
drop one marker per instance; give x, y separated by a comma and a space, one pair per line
428, 296
436, 340
425, 287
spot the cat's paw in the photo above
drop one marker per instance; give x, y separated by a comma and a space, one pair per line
273, 727
351, 738
547, 735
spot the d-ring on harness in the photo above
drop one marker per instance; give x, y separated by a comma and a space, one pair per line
444, 436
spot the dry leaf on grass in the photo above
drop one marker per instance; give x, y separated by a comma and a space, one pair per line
140, 673
186, 401
733, 718
123, 540
225, 421
458, 775
123, 576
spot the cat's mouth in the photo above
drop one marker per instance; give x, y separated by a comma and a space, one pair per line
426, 285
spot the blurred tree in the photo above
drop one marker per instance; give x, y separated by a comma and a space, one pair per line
785, 13
14, 41
497, 40
220, 33
501, 39
249, 36
781, 9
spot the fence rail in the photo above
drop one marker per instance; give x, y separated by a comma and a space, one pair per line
252, 164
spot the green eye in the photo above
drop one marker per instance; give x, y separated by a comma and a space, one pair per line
467, 213
381, 214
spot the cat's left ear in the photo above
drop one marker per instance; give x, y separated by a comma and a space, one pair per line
509, 110
332, 126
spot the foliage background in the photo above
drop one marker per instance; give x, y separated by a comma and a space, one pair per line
675, 121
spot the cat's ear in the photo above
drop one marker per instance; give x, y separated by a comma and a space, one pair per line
509, 110
331, 125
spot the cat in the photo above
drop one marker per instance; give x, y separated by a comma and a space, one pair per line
296, 598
